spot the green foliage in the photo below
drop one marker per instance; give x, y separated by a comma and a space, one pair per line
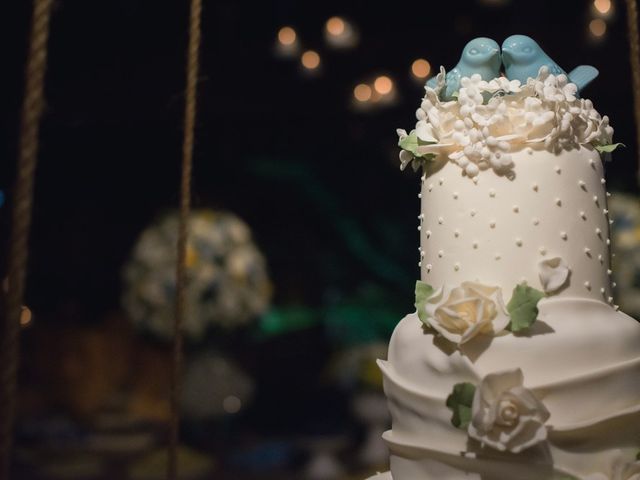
460, 402
609, 148
523, 307
423, 293
411, 142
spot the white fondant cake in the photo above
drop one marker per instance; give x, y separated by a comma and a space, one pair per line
516, 364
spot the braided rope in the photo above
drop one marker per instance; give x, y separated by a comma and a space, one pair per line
32, 108
634, 51
185, 206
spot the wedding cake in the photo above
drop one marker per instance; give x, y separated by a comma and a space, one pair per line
516, 365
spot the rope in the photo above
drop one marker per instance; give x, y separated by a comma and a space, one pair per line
185, 206
32, 108
634, 50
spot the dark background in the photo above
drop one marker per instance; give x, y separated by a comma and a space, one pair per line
317, 179
268, 136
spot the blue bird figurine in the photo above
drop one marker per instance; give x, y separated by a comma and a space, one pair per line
481, 55
522, 58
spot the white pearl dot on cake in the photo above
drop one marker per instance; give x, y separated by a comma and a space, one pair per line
595, 199
536, 221
616, 307
519, 242
456, 267
598, 231
497, 256
474, 245
605, 211
529, 150
428, 233
587, 285
557, 169
583, 215
420, 195
600, 258
609, 272
419, 264
535, 187
608, 194
423, 177
440, 220
602, 290
558, 202
582, 185
492, 193
611, 222
456, 233
564, 235
587, 251
614, 284
492, 224
608, 241
473, 213
440, 253
592, 162
455, 195
441, 181
603, 181
419, 227
542, 250
516, 208
430, 187
429, 267
475, 179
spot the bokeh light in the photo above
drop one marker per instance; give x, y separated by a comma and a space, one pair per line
287, 36
602, 6
362, 92
420, 68
383, 85
310, 60
597, 27
335, 26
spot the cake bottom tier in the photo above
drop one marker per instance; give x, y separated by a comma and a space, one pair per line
582, 360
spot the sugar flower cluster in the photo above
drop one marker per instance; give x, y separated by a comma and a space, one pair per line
489, 120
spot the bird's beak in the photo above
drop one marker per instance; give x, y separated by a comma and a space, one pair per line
506, 52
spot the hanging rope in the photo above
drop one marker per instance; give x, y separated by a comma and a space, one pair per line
185, 206
634, 50
21, 222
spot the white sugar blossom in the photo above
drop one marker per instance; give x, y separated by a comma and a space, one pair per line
460, 314
490, 120
505, 415
622, 468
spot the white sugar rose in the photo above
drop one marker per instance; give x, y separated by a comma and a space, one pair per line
621, 469
505, 415
461, 313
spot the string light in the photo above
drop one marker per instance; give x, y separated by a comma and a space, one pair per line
362, 92
335, 26
287, 36
602, 6
383, 85
597, 27
420, 68
310, 60
339, 33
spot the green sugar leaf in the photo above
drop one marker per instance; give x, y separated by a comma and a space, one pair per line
411, 142
460, 402
523, 307
609, 148
424, 291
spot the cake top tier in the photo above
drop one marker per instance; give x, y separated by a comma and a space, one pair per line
476, 122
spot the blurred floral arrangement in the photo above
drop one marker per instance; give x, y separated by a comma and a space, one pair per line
228, 283
625, 210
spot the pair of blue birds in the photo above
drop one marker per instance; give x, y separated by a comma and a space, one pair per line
521, 56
